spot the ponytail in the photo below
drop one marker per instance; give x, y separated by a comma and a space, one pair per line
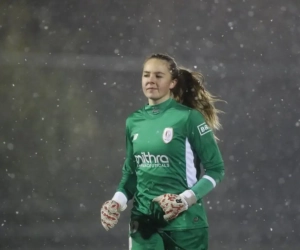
190, 91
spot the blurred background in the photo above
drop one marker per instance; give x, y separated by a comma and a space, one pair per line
70, 74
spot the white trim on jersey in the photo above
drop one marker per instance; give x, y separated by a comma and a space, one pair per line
190, 166
210, 179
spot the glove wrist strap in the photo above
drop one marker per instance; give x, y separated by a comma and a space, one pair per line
121, 199
189, 196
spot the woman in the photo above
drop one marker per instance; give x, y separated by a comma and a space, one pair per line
165, 143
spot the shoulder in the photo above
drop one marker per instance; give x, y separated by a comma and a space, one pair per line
181, 110
137, 114
178, 106
190, 112
194, 113
196, 118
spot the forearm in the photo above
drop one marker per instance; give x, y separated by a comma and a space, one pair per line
127, 185
209, 181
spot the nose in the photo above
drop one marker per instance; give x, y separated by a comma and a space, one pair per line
151, 78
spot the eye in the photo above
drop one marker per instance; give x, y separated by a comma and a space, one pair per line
146, 75
159, 76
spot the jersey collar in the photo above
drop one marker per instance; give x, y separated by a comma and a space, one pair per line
154, 110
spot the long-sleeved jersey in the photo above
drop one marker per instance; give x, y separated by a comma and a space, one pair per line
165, 145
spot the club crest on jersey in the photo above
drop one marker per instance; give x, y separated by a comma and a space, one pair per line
135, 136
168, 135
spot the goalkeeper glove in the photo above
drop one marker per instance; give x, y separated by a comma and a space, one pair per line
110, 211
174, 204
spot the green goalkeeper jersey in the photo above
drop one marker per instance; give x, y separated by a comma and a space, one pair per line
165, 145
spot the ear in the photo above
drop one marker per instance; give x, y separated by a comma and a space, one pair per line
173, 84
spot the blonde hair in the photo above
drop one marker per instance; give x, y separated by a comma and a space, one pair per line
190, 91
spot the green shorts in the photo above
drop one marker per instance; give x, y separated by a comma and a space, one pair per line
147, 238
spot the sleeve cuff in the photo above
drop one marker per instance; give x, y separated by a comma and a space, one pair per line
203, 186
121, 199
210, 179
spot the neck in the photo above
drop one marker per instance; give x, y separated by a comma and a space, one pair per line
158, 101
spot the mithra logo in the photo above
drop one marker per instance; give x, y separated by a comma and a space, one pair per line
148, 160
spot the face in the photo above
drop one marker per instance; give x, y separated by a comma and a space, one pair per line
157, 81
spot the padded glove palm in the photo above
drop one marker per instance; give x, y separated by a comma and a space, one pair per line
110, 214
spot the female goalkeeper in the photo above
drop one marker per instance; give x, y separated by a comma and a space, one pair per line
166, 141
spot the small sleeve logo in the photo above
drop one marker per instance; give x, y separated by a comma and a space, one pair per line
203, 128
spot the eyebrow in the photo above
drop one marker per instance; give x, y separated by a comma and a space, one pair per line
157, 72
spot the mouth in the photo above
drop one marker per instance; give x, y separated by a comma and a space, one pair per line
151, 88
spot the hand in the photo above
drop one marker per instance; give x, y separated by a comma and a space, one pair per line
110, 213
174, 204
